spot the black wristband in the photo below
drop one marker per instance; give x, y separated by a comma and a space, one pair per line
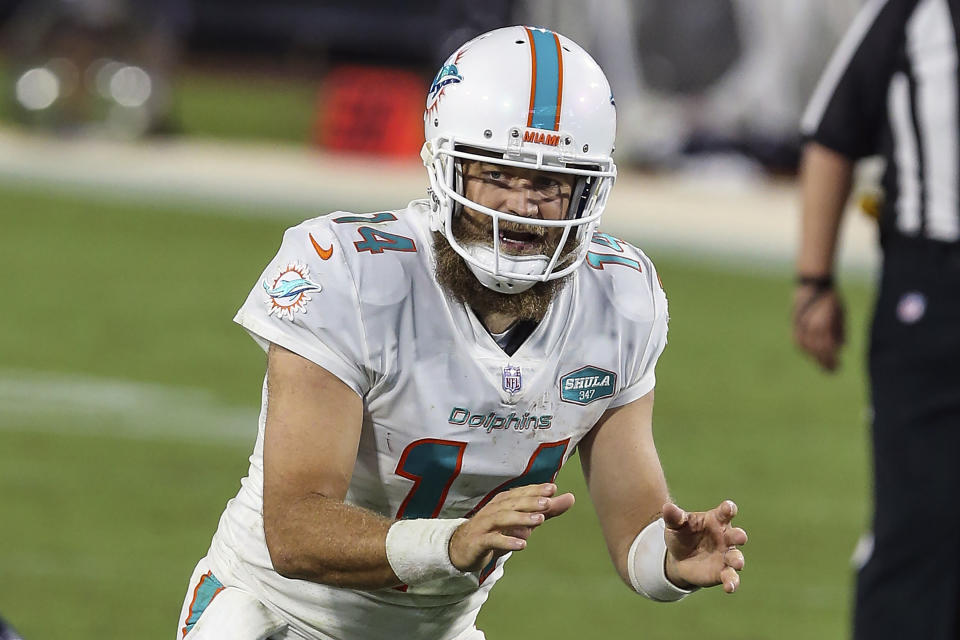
820, 283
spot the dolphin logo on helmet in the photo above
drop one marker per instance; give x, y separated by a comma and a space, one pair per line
448, 74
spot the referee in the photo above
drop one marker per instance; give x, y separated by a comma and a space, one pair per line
892, 89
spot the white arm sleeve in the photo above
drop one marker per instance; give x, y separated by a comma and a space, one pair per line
640, 365
309, 305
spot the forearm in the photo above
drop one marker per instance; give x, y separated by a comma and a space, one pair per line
624, 476
825, 186
621, 536
625, 553
324, 540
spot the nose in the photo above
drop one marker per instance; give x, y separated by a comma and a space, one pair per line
522, 201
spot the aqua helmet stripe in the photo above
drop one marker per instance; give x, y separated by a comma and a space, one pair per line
546, 84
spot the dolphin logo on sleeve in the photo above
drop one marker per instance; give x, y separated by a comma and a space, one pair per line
289, 291
290, 288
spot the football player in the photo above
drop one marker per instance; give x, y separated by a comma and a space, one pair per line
430, 370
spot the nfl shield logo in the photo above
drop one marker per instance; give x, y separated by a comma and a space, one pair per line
511, 379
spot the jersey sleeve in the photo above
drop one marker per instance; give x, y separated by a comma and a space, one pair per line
647, 337
849, 105
306, 301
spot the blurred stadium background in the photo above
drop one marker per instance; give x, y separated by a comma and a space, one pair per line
151, 155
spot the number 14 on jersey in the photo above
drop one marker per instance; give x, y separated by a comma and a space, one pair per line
434, 464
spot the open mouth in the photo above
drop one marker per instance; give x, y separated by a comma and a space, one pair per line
519, 241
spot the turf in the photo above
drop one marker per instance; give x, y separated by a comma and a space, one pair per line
100, 530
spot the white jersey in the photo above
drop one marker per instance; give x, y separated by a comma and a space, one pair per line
449, 419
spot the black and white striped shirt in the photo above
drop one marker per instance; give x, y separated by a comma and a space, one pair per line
891, 88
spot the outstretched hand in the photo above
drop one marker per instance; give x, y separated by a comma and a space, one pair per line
505, 523
702, 546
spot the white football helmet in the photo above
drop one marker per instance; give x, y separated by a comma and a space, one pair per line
537, 100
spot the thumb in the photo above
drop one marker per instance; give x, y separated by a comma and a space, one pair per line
673, 516
559, 505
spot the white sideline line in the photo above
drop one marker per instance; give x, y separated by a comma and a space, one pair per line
84, 405
704, 214
252, 179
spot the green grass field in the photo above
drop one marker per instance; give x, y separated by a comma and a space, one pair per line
128, 403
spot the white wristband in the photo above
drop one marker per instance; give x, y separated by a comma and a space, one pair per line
419, 550
645, 565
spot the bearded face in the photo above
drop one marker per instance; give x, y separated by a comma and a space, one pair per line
517, 191
455, 276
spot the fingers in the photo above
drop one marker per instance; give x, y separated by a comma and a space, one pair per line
726, 511
730, 579
828, 359
537, 498
546, 489
505, 519
818, 325
559, 505
822, 343
543, 489
518, 532
734, 536
530, 504
505, 523
704, 545
496, 541
733, 558
674, 517
490, 533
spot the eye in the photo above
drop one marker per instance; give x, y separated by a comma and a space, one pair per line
547, 185
497, 177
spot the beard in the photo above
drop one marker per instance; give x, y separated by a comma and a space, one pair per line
455, 276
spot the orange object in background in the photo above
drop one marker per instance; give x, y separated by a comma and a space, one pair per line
371, 110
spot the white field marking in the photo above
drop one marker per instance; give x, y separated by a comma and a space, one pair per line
712, 214
83, 405
254, 180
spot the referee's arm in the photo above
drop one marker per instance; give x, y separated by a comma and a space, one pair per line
818, 319
840, 125
825, 181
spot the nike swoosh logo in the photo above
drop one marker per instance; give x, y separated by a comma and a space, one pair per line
323, 253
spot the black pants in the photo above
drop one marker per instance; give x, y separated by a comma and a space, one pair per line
910, 586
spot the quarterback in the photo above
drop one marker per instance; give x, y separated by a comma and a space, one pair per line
430, 370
